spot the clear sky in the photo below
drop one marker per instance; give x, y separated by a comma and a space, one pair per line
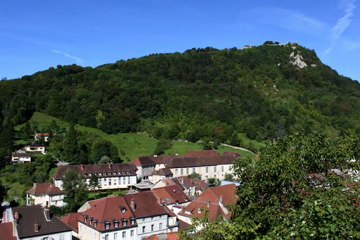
37, 34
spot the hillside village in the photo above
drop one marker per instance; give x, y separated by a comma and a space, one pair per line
160, 197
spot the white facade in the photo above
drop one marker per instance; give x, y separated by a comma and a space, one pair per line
88, 233
205, 172
107, 182
35, 149
20, 158
155, 225
45, 200
57, 236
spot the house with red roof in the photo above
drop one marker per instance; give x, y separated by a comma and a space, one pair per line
110, 176
170, 196
134, 216
209, 164
42, 137
33, 222
35, 148
45, 194
212, 204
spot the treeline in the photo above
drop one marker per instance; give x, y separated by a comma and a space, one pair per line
195, 95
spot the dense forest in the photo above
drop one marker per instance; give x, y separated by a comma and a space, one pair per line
199, 94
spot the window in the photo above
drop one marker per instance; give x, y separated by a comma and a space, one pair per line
207, 169
106, 237
116, 224
109, 181
95, 223
160, 225
132, 221
107, 225
132, 233
123, 210
115, 236
128, 180
193, 169
152, 227
187, 171
222, 168
214, 168
182, 172
124, 234
124, 222
143, 230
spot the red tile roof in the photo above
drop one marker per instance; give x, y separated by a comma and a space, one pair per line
205, 153
145, 205
187, 183
162, 172
6, 231
31, 215
212, 203
71, 220
164, 236
109, 210
170, 195
116, 169
40, 189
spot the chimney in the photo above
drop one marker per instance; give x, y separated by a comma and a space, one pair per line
110, 165
82, 167
36, 227
132, 205
47, 213
34, 185
221, 198
208, 203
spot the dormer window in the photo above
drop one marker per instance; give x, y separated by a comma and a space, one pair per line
107, 225
95, 223
132, 221
90, 221
85, 218
123, 210
116, 224
199, 210
124, 222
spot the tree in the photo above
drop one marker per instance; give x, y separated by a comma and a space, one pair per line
102, 148
94, 182
2, 192
70, 145
75, 190
195, 175
278, 199
162, 145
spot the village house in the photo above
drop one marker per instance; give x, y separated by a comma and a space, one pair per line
162, 173
171, 196
209, 164
20, 157
213, 203
110, 176
45, 194
35, 148
192, 187
34, 223
72, 221
42, 137
134, 216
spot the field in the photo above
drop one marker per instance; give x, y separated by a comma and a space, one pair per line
132, 145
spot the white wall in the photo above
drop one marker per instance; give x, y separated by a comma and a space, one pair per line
57, 200
206, 172
159, 223
57, 236
88, 233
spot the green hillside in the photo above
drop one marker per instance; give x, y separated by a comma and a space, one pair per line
129, 145
263, 93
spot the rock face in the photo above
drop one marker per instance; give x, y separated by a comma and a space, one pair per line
297, 60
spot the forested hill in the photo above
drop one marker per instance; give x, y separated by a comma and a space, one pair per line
264, 92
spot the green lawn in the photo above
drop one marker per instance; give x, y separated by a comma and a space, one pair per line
132, 145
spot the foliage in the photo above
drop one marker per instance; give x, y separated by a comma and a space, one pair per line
75, 190
162, 146
290, 192
195, 175
254, 91
94, 182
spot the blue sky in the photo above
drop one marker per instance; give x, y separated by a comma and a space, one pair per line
38, 34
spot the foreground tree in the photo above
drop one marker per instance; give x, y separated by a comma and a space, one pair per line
292, 192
